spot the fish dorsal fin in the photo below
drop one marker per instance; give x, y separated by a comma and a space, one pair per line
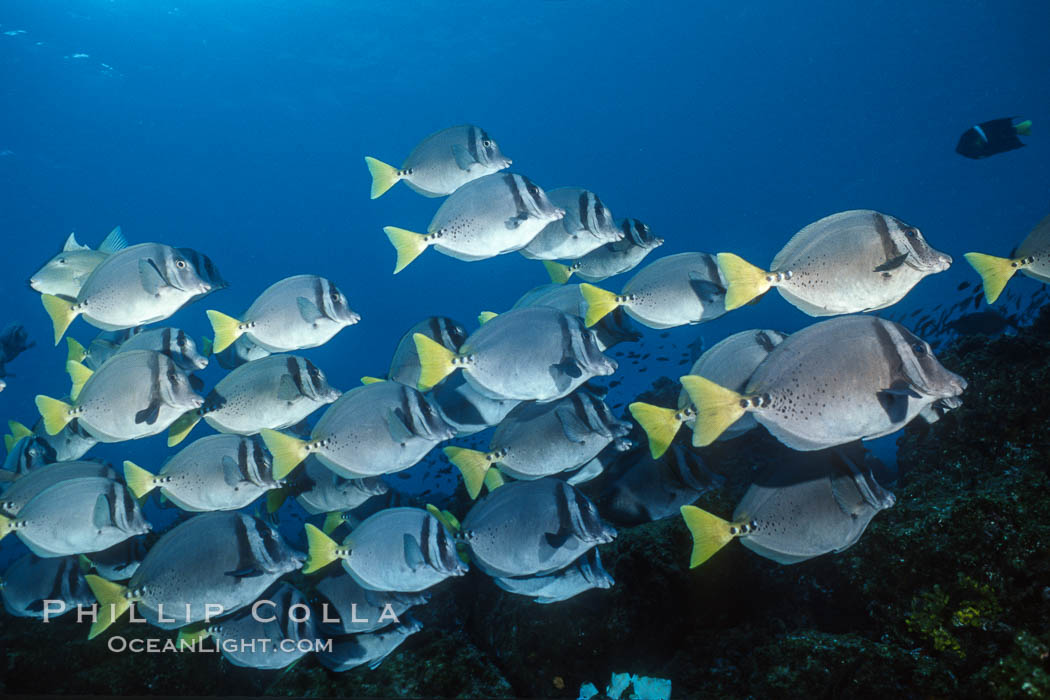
413, 554
150, 276
464, 160
71, 244
113, 242
308, 310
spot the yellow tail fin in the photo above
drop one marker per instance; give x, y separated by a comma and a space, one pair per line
287, 451
207, 349
717, 408
79, 374
4, 526
1024, 128
275, 499
599, 303
493, 480
473, 465
383, 176
182, 426
486, 316
332, 521
559, 273
227, 330
435, 361
447, 519
744, 280
371, 380
76, 352
710, 533
321, 550
54, 412
407, 244
139, 481
18, 431
660, 424
190, 635
61, 313
112, 602
995, 273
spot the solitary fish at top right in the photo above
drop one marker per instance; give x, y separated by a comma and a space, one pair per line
849, 262
1031, 258
991, 137
441, 163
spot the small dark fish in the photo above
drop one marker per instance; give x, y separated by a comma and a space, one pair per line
962, 286
992, 137
985, 322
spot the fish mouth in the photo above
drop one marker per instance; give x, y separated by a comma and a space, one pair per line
557, 214
196, 402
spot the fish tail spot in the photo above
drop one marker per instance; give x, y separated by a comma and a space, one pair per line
710, 533
56, 414
600, 303
408, 245
182, 426
435, 361
140, 481
995, 272
287, 451
717, 408
558, 272
76, 351
227, 330
61, 312
322, 550
112, 600
472, 464
384, 176
744, 281
660, 425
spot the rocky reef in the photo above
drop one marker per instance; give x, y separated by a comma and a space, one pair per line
946, 595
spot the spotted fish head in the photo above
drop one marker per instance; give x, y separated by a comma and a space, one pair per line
918, 366
909, 241
487, 151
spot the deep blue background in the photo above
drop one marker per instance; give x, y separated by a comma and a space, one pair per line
238, 128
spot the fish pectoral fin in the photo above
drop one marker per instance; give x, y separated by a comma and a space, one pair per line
287, 391
247, 572
413, 554
231, 473
575, 429
516, 221
396, 425
557, 539
895, 403
100, 515
150, 276
707, 291
904, 388
464, 160
308, 310
892, 263
149, 414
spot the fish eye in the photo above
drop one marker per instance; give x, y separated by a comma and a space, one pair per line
911, 233
534, 191
61, 261
486, 143
919, 348
181, 264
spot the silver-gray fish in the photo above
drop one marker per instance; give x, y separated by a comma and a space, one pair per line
102, 347
610, 259
536, 353
210, 565
218, 472
142, 284
496, 214
671, 291
441, 163
582, 575
530, 528
399, 549
173, 342
404, 365
814, 504
33, 586
69, 444
132, 395
594, 468
318, 489
1030, 258
370, 648
119, 562
372, 430
277, 630
82, 514
352, 609
275, 392
613, 328
852, 261
27, 486
844, 379
542, 439
298, 312
64, 274
586, 226
28, 453
729, 363
656, 488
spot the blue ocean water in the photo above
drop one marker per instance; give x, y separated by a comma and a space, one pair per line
239, 129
